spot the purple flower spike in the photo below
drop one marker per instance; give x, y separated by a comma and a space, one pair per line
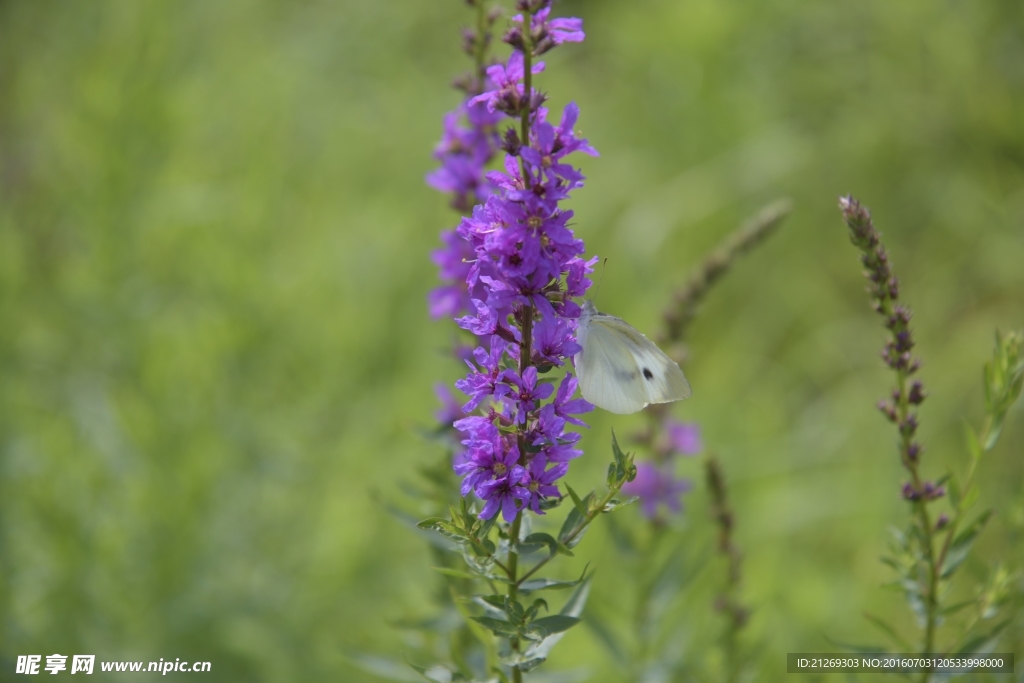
657, 487
510, 272
684, 437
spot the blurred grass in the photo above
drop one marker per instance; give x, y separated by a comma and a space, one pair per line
214, 243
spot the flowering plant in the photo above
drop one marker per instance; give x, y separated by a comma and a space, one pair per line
928, 554
512, 270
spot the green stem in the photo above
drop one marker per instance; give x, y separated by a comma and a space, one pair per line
921, 508
513, 586
593, 512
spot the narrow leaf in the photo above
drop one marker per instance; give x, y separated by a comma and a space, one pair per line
556, 623
496, 626
889, 631
455, 572
963, 543
536, 541
532, 585
383, 667
572, 608
984, 644
615, 504
576, 501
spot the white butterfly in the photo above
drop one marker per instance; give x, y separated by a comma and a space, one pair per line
620, 369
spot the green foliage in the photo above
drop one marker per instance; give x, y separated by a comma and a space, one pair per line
214, 254
505, 617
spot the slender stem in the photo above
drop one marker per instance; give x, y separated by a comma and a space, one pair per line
688, 298
524, 120
513, 540
593, 512
483, 39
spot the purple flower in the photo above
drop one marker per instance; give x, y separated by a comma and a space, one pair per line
656, 487
508, 91
553, 341
488, 457
528, 391
565, 405
502, 494
488, 380
547, 33
684, 437
540, 482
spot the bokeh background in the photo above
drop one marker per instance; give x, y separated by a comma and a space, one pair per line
215, 354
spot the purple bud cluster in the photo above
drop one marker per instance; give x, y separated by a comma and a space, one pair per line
514, 265
655, 482
657, 485
468, 145
927, 491
883, 287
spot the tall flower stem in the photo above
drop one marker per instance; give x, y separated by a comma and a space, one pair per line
527, 329
688, 298
728, 600
884, 290
524, 121
513, 586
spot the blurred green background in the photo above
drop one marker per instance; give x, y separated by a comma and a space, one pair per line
214, 346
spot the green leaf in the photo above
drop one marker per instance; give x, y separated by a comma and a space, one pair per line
497, 626
431, 523
961, 545
611, 643
532, 585
889, 631
516, 659
536, 541
994, 431
514, 610
615, 504
482, 527
443, 527
953, 609
575, 518
863, 649
573, 608
580, 507
495, 611
535, 608
495, 601
954, 492
455, 572
383, 667
438, 674
984, 644
620, 457
557, 623
970, 497
622, 469
973, 443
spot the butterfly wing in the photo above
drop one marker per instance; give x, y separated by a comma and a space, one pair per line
607, 370
622, 371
